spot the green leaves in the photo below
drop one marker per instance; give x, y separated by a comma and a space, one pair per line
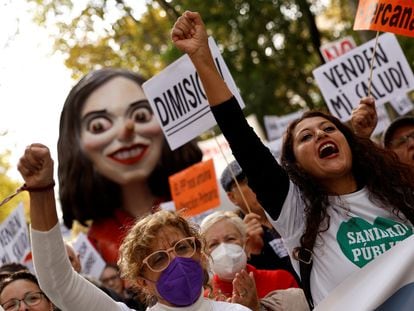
270, 46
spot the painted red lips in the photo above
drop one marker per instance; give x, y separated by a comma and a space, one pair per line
129, 155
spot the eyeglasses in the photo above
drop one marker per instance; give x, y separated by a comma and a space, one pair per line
398, 142
30, 300
159, 260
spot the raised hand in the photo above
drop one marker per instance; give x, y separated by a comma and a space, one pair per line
190, 36
36, 166
189, 33
364, 118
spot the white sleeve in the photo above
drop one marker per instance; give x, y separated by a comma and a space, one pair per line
291, 222
291, 219
67, 289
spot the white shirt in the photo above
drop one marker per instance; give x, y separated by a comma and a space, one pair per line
359, 231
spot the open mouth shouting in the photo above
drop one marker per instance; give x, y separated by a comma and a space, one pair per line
129, 155
327, 149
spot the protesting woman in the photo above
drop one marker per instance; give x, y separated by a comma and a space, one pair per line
162, 254
338, 200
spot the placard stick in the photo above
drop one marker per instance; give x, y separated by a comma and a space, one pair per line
232, 173
8, 198
372, 65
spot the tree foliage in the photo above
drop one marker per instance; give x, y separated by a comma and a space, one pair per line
270, 46
8, 187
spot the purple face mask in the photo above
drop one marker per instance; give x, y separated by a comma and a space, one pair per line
180, 284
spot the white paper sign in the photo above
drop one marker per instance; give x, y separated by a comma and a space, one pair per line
276, 126
337, 48
275, 147
14, 237
402, 104
179, 101
345, 80
91, 261
386, 283
383, 120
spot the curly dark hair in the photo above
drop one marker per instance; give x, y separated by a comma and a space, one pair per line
389, 181
84, 193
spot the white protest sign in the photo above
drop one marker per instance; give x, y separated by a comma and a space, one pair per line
383, 120
275, 126
14, 236
4, 257
345, 80
337, 48
179, 101
386, 283
402, 104
275, 147
91, 261
168, 206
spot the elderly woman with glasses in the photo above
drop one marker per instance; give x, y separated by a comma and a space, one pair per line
22, 288
162, 253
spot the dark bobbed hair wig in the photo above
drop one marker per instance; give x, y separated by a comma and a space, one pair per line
389, 182
84, 193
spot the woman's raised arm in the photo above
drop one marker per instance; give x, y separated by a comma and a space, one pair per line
36, 168
267, 179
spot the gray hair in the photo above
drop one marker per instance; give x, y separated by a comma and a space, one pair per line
229, 216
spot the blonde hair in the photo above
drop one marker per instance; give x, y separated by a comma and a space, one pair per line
229, 216
137, 244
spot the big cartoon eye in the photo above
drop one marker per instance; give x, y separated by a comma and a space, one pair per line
142, 114
98, 125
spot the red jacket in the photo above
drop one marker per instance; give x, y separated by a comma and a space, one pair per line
107, 234
266, 281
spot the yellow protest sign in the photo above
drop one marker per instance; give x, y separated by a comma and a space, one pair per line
396, 16
195, 190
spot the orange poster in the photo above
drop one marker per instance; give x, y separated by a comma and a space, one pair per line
396, 16
195, 190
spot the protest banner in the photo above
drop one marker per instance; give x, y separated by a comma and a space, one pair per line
91, 261
195, 190
383, 120
345, 80
402, 104
396, 16
275, 126
337, 48
14, 237
385, 283
275, 147
178, 100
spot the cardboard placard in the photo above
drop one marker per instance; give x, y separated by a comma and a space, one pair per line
195, 190
396, 16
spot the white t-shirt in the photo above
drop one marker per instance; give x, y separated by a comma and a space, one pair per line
203, 304
359, 231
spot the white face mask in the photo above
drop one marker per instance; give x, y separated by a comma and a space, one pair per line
227, 260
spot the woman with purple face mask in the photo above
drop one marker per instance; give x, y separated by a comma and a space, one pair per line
162, 253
